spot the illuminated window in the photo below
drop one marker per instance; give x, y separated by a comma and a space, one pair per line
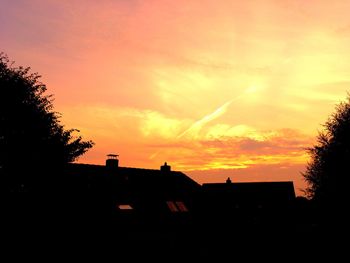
181, 206
124, 207
177, 206
172, 206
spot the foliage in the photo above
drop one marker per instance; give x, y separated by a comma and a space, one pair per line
328, 172
34, 146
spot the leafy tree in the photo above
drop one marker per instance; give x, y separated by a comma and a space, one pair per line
34, 146
328, 172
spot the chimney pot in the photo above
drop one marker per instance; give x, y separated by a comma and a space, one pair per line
112, 161
165, 167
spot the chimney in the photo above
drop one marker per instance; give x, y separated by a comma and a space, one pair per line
165, 168
112, 162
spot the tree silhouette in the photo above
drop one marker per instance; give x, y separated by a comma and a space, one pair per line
34, 146
328, 172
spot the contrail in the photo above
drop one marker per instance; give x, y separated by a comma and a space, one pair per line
197, 126
206, 119
217, 113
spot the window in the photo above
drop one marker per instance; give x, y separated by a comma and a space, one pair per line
124, 207
176, 206
181, 206
172, 207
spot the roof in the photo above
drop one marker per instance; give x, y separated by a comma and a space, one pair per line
252, 192
165, 183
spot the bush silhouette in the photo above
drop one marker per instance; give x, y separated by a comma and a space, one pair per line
34, 146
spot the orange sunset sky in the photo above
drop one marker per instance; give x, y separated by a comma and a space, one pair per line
215, 88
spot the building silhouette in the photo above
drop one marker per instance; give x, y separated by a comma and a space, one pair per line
134, 194
161, 197
162, 209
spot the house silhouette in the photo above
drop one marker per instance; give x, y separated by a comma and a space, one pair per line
160, 197
133, 194
160, 209
248, 203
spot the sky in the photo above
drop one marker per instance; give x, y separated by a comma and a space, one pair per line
217, 89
